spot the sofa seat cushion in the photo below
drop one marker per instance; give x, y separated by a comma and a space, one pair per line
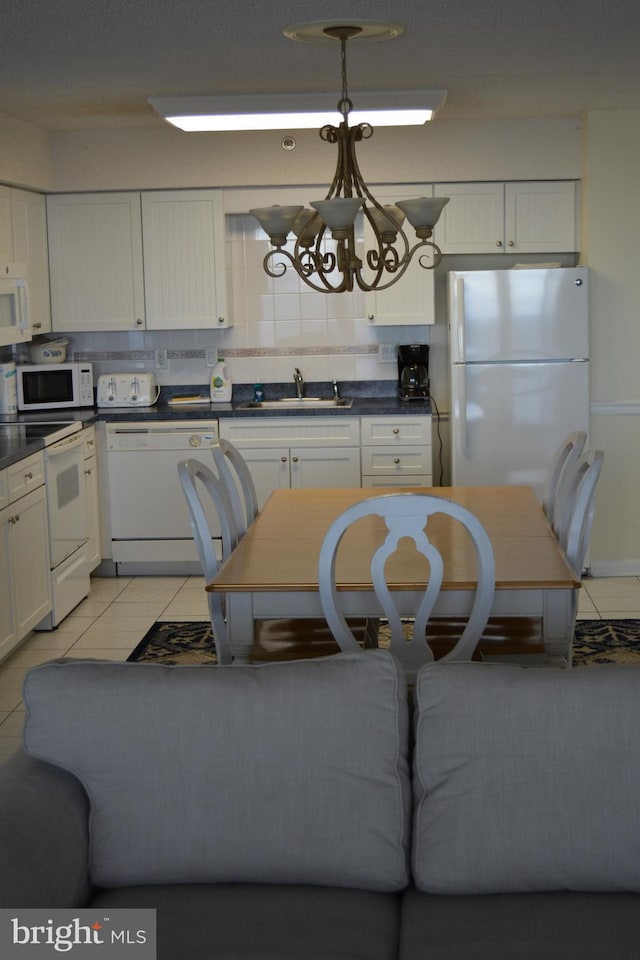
526, 779
279, 773
271, 922
520, 926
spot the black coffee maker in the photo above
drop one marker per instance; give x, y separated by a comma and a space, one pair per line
413, 371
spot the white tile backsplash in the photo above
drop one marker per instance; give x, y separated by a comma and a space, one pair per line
278, 324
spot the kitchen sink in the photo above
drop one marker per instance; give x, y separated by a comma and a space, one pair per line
295, 403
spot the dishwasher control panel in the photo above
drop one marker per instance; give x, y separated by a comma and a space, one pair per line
162, 435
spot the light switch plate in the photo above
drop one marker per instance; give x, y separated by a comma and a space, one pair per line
387, 352
212, 357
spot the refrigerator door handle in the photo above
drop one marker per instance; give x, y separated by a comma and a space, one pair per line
460, 404
464, 433
459, 319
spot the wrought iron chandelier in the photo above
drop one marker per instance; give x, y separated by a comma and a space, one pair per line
337, 268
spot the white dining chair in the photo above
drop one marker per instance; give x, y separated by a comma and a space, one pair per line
284, 639
235, 475
560, 468
409, 515
576, 536
196, 478
520, 638
572, 505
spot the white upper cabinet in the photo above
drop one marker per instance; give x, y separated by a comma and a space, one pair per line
410, 301
95, 255
184, 272
29, 216
100, 278
529, 217
12, 245
6, 232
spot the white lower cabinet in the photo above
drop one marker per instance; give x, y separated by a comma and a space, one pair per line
396, 452
297, 451
94, 549
25, 590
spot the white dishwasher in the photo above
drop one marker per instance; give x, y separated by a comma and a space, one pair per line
150, 530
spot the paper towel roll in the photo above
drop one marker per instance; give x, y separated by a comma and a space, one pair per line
8, 391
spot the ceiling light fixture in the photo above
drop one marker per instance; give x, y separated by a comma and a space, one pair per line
295, 111
340, 269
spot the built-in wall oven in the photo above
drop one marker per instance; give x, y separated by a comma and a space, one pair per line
68, 521
149, 519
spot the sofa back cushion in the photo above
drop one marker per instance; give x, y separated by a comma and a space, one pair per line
526, 779
280, 773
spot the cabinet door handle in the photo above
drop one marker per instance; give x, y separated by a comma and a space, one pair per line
396, 459
87, 473
294, 459
371, 316
283, 459
220, 319
498, 243
28, 476
396, 430
139, 322
511, 243
36, 326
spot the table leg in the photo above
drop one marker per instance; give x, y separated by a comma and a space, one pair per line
559, 617
240, 618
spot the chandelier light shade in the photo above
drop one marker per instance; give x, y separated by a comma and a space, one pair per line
335, 266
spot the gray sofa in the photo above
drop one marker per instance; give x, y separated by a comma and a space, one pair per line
293, 810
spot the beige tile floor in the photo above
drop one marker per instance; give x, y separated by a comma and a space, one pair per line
119, 611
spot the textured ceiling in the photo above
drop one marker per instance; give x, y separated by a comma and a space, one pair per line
91, 64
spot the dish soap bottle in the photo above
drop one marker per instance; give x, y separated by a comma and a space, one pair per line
220, 387
258, 391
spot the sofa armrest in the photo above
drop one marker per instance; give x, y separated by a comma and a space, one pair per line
44, 815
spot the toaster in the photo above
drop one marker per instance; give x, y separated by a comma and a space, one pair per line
127, 390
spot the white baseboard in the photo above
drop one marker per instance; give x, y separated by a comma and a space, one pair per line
614, 568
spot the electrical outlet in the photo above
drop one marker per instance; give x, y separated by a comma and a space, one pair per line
162, 360
387, 353
212, 357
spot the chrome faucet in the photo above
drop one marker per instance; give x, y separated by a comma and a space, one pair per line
336, 390
297, 376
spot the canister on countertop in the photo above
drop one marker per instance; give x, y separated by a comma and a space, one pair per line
8, 389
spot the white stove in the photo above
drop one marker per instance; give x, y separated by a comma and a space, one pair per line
49, 431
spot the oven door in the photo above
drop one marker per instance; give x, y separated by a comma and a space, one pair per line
66, 497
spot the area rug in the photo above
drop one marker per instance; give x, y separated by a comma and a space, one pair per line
596, 641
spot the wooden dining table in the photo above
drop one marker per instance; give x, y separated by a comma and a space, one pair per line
273, 571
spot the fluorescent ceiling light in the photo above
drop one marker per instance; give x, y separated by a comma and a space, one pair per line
296, 111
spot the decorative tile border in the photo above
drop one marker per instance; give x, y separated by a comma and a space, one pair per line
144, 356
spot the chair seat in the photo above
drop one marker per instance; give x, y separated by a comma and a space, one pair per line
299, 639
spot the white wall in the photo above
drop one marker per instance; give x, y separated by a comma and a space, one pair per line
611, 200
25, 155
533, 149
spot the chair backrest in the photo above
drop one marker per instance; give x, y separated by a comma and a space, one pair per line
196, 480
236, 477
560, 468
407, 515
575, 540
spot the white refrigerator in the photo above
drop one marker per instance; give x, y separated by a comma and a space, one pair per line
519, 350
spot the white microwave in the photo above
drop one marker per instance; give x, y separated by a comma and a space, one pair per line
14, 312
49, 386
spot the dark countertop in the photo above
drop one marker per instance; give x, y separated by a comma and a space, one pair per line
11, 451
369, 400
